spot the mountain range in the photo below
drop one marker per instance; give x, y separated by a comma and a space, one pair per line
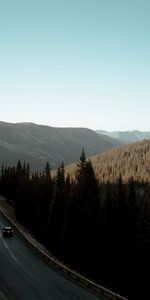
126, 137
37, 144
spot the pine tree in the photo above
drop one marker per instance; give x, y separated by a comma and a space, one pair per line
84, 214
57, 212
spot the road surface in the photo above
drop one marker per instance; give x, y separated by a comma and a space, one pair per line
25, 276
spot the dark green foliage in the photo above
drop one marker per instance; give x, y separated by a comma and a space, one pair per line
82, 229
57, 212
102, 230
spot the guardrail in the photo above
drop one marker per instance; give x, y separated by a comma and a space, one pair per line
98, 289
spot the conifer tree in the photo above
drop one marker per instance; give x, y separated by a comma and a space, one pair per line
83, 219
57, 212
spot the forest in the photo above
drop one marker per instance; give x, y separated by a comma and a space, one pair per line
131, 160
100, 229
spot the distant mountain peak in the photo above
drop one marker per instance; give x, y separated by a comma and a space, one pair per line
127, 136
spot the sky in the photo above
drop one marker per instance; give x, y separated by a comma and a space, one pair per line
76, 63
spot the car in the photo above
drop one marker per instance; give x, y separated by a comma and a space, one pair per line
7, 231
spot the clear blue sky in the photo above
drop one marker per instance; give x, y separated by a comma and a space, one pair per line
78, 63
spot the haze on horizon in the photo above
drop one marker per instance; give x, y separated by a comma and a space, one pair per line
76, 63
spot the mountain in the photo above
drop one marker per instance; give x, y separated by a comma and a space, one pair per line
129, 160
127, 137
38, 144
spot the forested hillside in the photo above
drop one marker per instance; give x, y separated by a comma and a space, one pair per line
38, 144
101, 229
130, 161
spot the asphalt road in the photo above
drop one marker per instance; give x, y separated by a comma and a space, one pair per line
25, 276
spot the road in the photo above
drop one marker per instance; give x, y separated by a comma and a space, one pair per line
25, 276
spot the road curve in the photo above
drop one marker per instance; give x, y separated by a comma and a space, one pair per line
25, 276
